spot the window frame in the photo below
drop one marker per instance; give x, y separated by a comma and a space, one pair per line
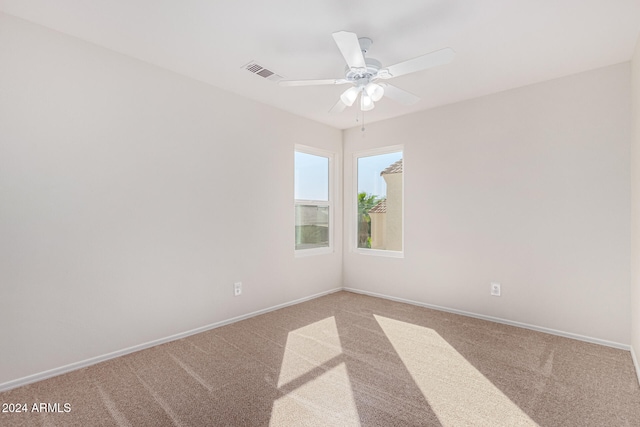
320, 203
354, 202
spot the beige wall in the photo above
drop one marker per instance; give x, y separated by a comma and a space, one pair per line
529, 188
378, 230
394, 212
635, 191
118, 225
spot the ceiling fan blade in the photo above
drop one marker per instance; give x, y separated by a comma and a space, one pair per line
312, 82
399, 95
338, 108
350, 49
433, 59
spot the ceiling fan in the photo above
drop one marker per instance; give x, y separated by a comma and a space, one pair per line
364, 73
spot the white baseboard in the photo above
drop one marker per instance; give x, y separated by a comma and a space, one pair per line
94, 360
498, 320
635, 363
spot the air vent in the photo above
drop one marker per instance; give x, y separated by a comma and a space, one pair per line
254, 68
262, 72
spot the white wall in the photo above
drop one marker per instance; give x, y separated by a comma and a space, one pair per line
529, 188
119, 225
132, 198
635, 200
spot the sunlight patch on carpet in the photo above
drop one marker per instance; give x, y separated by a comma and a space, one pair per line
326, 400
308, 348
318, 390
456, 391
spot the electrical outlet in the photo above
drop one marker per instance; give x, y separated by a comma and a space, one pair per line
495, 289
237, 289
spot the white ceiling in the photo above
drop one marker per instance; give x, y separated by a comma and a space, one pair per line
500, 44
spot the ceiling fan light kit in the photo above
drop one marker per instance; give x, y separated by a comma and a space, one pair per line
366, 103
349, 96
363, 73
375, 91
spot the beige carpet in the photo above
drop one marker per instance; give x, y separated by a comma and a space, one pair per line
347, 360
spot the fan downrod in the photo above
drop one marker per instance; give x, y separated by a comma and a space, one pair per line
365, 44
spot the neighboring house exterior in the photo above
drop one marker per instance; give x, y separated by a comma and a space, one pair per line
386, 216
378, 230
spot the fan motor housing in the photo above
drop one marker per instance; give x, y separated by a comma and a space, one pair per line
355, 74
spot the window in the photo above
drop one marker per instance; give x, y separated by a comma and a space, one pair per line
379, 202
313, 210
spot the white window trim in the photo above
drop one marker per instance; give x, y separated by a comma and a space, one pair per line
354, 203
299, 253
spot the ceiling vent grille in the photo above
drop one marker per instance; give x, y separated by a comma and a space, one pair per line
262, 72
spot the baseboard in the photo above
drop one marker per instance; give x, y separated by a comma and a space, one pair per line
94, 360
499, 320
635, 363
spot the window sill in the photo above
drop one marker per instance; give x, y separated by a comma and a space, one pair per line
378, 252
302, 253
